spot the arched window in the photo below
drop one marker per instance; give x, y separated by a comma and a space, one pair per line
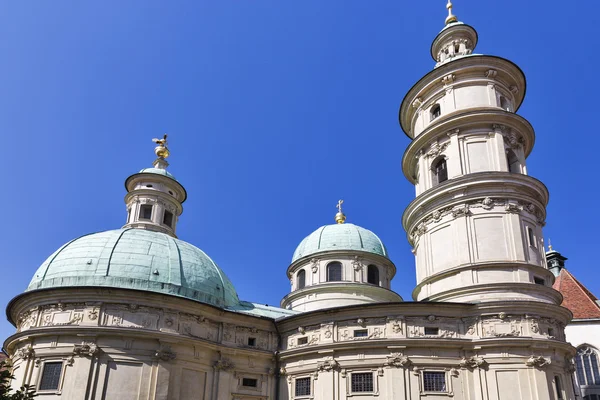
586, 362
504, 104
514, 165
301, 279
373, 274
334, 271
436, 111
439, 171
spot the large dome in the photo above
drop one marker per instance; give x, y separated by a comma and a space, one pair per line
137, 259
340, 237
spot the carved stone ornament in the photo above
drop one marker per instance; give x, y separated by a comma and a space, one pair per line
512, 140
301, 330
487, 203
357, 264
448, 79
398, 360
538, 362
417, 103
328, 365
436, 149
314, 265
459, 211
502, 315
491, 73
361, 321
223, 365
93, 314
436, 216
513, 208
26, 353
569, 365
86, 349
472, 362
164, 354
431, 318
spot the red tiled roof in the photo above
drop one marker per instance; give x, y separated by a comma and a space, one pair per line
576, 297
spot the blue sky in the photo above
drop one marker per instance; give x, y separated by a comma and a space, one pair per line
275, 110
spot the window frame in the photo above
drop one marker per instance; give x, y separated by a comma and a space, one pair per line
310, 388
362, 392
257, 378
328, 268
301, 273
165, 213
448, 382
61, 378
373, 267
140, 214
587, 350
435, 112
434, 168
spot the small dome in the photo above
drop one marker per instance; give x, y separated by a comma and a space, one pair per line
340, 237
158, 171
137, 259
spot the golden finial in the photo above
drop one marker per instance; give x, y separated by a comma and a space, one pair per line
161, 150
451, 17
340, 218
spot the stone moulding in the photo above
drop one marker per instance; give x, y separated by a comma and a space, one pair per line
488, 203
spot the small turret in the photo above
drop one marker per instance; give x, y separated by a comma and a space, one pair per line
555, 260
154, 197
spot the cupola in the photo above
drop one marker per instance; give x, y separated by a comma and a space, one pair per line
339, 264
455, 40
154, 197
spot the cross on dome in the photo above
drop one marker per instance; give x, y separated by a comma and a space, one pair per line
451, 17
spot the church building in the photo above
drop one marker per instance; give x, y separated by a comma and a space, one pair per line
137, 313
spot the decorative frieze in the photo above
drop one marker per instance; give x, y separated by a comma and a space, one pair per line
397, 360
472, 362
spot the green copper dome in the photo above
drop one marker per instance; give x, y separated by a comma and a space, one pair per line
340, 237
158, 171
137, 259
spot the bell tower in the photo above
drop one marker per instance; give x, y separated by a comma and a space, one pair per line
476, 222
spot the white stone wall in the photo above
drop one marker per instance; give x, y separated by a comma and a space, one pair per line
354, 288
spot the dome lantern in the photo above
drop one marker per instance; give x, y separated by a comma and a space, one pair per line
154, 197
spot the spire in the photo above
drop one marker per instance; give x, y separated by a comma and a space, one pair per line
451, 17
554, 260
340, 218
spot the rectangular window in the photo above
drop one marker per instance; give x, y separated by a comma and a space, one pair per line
432, 331
302, 340
434, 381
302, 387
361, 333
559, 392
530, 237
51, 376
168, 219
249, 382
539, 281
251, 341
146, 211
362, 382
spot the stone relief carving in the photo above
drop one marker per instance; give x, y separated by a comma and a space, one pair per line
448, 79
223, 365
435, 149
314, 264
397, 360
357, 264
538, 362
86, 349
164, 353
329, 364
472, 362
417, 103
28, 319
26, 353
512, 139
491, 73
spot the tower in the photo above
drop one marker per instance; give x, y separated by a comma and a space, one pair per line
154, 197
476, 222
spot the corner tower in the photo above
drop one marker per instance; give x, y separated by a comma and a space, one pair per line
476, 223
